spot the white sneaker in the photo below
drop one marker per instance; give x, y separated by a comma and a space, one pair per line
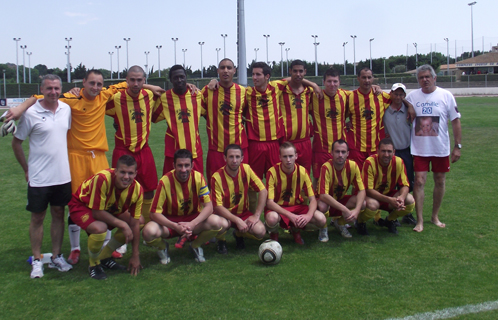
198, 254
323, 235
60, 264
122, 249
37, 271
343, 230
163, 254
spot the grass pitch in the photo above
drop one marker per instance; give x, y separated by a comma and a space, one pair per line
376, 277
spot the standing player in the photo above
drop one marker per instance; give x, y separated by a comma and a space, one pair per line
438, 103
229, 186
385, 179
47, 170
336, 177
285, 204
110, 199
181, 207
223, 109
182, 111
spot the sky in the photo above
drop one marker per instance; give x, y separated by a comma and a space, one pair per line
96, 27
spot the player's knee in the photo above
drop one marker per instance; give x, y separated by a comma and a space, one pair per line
271, 218
150, 231
225, 224
322, 206
215, 222
409, 199
320, 219
372, 204
258, 230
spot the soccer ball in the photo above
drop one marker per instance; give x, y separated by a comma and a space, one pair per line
270, 252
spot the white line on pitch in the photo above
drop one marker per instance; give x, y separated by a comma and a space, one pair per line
452, 312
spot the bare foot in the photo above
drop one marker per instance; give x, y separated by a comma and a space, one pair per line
438, 223
419, 227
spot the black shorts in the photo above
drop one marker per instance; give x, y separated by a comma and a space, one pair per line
40, 197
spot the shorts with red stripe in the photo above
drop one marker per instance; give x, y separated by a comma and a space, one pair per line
385, 205
303, 148
338, 213
198, 165
439, 164
216, 160
146, 166
299, 209
176, 219
319, 158
263, 155
81, 215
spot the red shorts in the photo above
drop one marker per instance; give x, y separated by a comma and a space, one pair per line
216, 160
303, 148
439, 164
384, 205
263, 155
319, 158
338, 213
244, 216
81, 214
146, 167
176, 219
168, 165
299, 209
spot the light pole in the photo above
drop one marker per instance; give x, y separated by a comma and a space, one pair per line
344, 49
224, 45
217, 55
287, 59
159, 59
4, 86
416, 55
110, 57
23, 47
447, 55
17, 58
68, 47
201, 43
472, 25
127, 61
282, 57
184, 50
146, 64
316, 55
256, 54
117, 49
266, 36
29, 64
371, 53
175, 40
354, 53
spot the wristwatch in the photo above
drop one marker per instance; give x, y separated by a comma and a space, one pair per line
459, 146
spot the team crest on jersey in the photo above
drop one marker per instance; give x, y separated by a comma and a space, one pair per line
287, 195
85, 217
113, 209
367, 113
183, 115
185, 205
136, 115
236, 198
332, 113
382, 188
297, 102
263, 102
225, 108
339, 191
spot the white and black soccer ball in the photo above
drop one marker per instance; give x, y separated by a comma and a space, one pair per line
270, 252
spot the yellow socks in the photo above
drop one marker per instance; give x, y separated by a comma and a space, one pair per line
95, 242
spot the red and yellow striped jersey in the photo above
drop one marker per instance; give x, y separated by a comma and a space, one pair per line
99, 192
329, 118
366, 112
295, 109
264, 119
231, 192
337, 182
133, 115
182, 114
384, 179
223, 110
174, 198
285, 189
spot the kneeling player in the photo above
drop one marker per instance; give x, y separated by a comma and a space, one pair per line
385, 178
110, 199
336, 176
176, 209
230, 186
285, 204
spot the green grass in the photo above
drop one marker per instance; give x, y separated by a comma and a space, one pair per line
375, 277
